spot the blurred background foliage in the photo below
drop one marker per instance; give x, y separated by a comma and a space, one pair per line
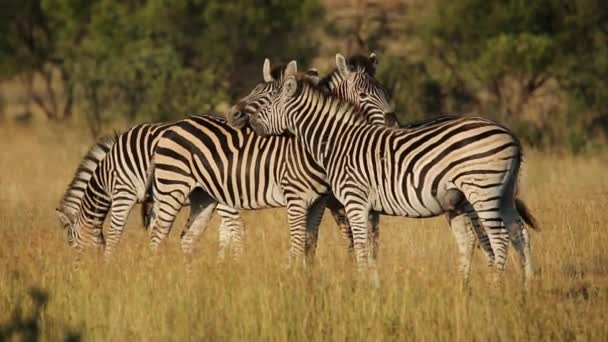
540, 67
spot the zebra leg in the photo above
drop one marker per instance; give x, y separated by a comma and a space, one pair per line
498, 235
465, 239
520, 239
313, 220
339, 214
230, 232
202, 208
527, 255
358, 217
374, 226
482, 237
165, 209
122, 203
298, 216
465, 225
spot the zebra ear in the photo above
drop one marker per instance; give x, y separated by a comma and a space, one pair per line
313, 75
266, 71
342, 66
374, 61
291, 85
291, 69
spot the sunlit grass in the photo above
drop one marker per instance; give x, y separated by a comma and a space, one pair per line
142, 297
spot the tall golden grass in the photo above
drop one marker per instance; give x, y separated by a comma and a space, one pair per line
142, 297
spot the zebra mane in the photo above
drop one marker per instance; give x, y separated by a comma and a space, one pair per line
70, 202
356, 62
361, 62
304, 79
278, 71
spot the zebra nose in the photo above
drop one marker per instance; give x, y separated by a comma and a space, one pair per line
236, 108
236, 116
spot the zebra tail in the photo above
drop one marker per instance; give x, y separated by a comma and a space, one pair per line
525, 214
146, 211
147, 205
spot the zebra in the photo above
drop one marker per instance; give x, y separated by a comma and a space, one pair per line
186, 178
353, 80
233, 166
69, 205
119, 184
111, 178
425, 172
306, 190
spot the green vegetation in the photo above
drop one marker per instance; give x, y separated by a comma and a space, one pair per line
501, 58
540, 67
149, 60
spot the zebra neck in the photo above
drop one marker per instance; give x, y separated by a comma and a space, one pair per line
95, 202
331, 83
322, 118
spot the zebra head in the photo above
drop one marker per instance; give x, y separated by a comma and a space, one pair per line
354, 81
68, 220
79, 234
272, 119
260, 96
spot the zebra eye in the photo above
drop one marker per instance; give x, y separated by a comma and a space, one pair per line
363, 95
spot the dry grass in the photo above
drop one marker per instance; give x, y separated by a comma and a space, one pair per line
139, 297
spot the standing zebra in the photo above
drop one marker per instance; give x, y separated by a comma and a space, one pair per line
414, 173
178, 170
306, 184
119, 179
305, 188
111, 178
237, 167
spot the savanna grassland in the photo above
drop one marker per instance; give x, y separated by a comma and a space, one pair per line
135, 297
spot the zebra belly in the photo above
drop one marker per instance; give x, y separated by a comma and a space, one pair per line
407, 201
258, 196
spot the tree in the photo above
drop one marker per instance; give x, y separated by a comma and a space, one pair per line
512, 48
158, 60
29, 50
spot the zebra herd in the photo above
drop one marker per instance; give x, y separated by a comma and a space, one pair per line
307, 143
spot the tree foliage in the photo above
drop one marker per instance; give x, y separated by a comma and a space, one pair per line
494, 42
494, 57
154, 59
29, 50
159, 59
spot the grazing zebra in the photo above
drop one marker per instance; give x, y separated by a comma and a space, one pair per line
70, 202
236, 167
112, 176
419, 173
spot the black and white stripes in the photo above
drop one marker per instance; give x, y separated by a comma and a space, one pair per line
447, 167
112, 179
237, 168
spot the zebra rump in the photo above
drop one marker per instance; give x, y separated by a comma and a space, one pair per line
521, 207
